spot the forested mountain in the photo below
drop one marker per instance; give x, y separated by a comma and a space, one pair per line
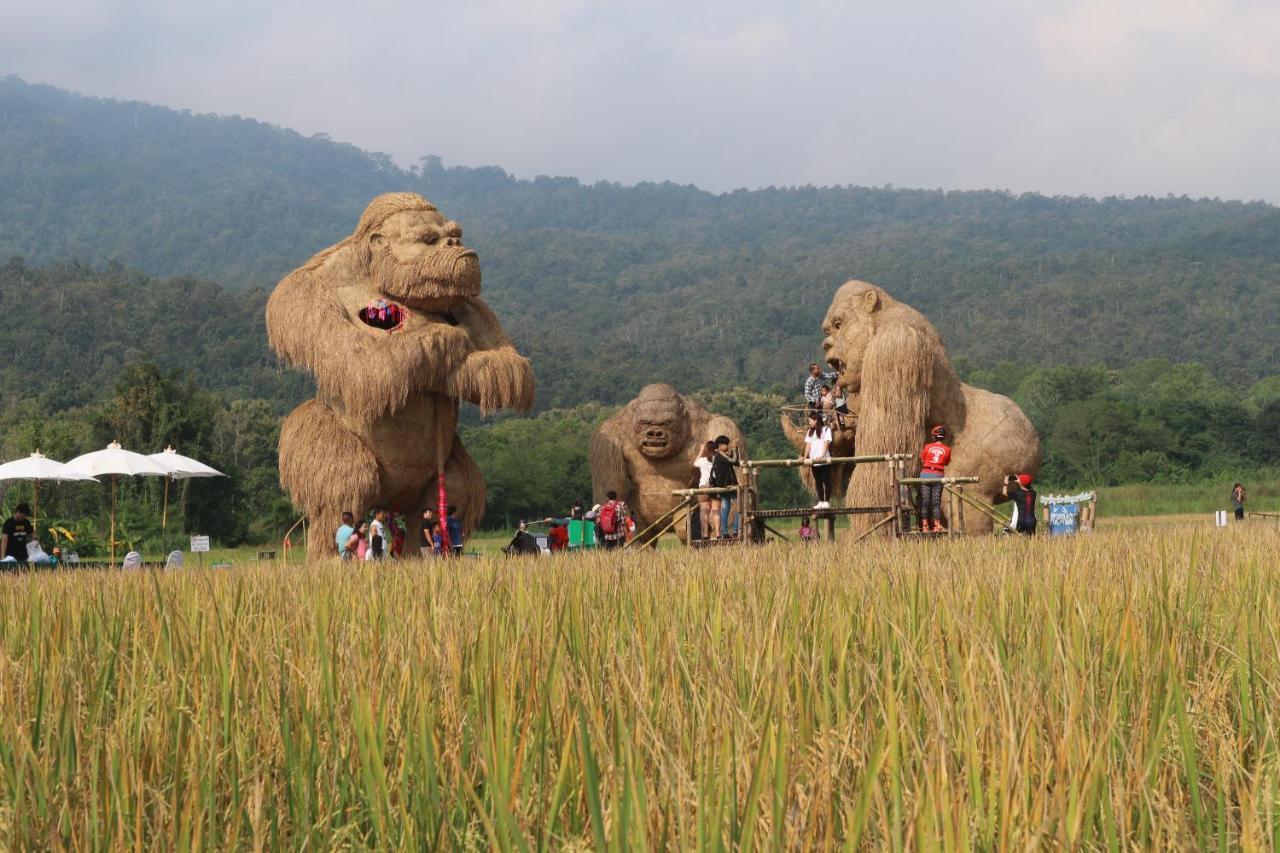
609, 287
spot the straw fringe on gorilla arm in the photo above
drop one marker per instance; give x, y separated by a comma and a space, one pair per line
608, 466
370, 376
896, 376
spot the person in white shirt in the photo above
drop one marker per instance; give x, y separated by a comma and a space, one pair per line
817, 445
707, 520
377, 536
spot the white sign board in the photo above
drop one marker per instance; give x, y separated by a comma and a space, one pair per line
199, 544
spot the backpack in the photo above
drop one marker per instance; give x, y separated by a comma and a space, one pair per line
609, 517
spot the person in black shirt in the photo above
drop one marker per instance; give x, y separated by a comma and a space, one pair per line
723, 474
1017, 488
17, 532
428, 532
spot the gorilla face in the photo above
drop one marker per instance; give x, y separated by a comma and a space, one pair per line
661, 421
417, 259
847, 329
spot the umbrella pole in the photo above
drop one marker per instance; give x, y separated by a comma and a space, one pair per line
113, 520
35, 516
164, 519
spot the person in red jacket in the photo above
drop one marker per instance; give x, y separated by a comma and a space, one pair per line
933, 465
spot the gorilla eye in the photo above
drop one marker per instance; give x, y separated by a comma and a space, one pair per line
837, 324
430, 239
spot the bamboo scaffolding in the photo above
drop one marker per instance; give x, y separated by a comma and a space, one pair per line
881, 523
704, 490
982, 507
946, 481
674, 513
675, 509
798, 462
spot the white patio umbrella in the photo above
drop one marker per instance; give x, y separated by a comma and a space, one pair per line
178, 467
115, 461
35, 468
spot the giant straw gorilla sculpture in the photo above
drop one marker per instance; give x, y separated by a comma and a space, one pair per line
894, 368
391, 324
647, 450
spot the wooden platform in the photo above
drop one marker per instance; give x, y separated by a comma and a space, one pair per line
810, 512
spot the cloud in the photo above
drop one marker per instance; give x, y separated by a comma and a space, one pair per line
1070, 96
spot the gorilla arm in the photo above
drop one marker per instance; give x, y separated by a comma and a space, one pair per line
368, 375
894, 400
608, 462
494, 376
897, 371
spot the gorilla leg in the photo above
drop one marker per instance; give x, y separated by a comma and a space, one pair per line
464, 488
327, 471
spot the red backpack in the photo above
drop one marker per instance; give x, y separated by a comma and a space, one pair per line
609, 517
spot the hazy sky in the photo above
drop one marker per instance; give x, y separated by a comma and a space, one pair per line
1061, 96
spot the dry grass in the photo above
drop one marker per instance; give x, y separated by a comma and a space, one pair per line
1111, 691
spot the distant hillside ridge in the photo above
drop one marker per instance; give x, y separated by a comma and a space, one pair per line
656, 281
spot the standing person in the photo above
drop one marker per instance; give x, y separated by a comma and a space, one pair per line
358, 543
454, 525
723, 474
397, 536
428, 543
16, 533
1237, 500
610, 522
344, 533
707, 527
377, 536
813, 384
806, 531
1017, 488
840, 403
557, 535
578, 511
817, 447
934, 459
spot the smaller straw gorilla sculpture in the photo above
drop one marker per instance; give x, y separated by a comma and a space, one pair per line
647, 450
391, 323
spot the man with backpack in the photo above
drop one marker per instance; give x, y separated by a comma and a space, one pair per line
610, 521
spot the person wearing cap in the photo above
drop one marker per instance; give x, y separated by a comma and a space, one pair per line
934, 458
1017, 488
16, 533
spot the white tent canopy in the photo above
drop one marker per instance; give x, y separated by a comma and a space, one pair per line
38, 467
115, 461
179, 467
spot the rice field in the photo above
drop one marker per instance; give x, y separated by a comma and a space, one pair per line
1113, 691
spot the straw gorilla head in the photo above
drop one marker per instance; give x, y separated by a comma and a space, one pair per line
848, 328
414, 255
661, 422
